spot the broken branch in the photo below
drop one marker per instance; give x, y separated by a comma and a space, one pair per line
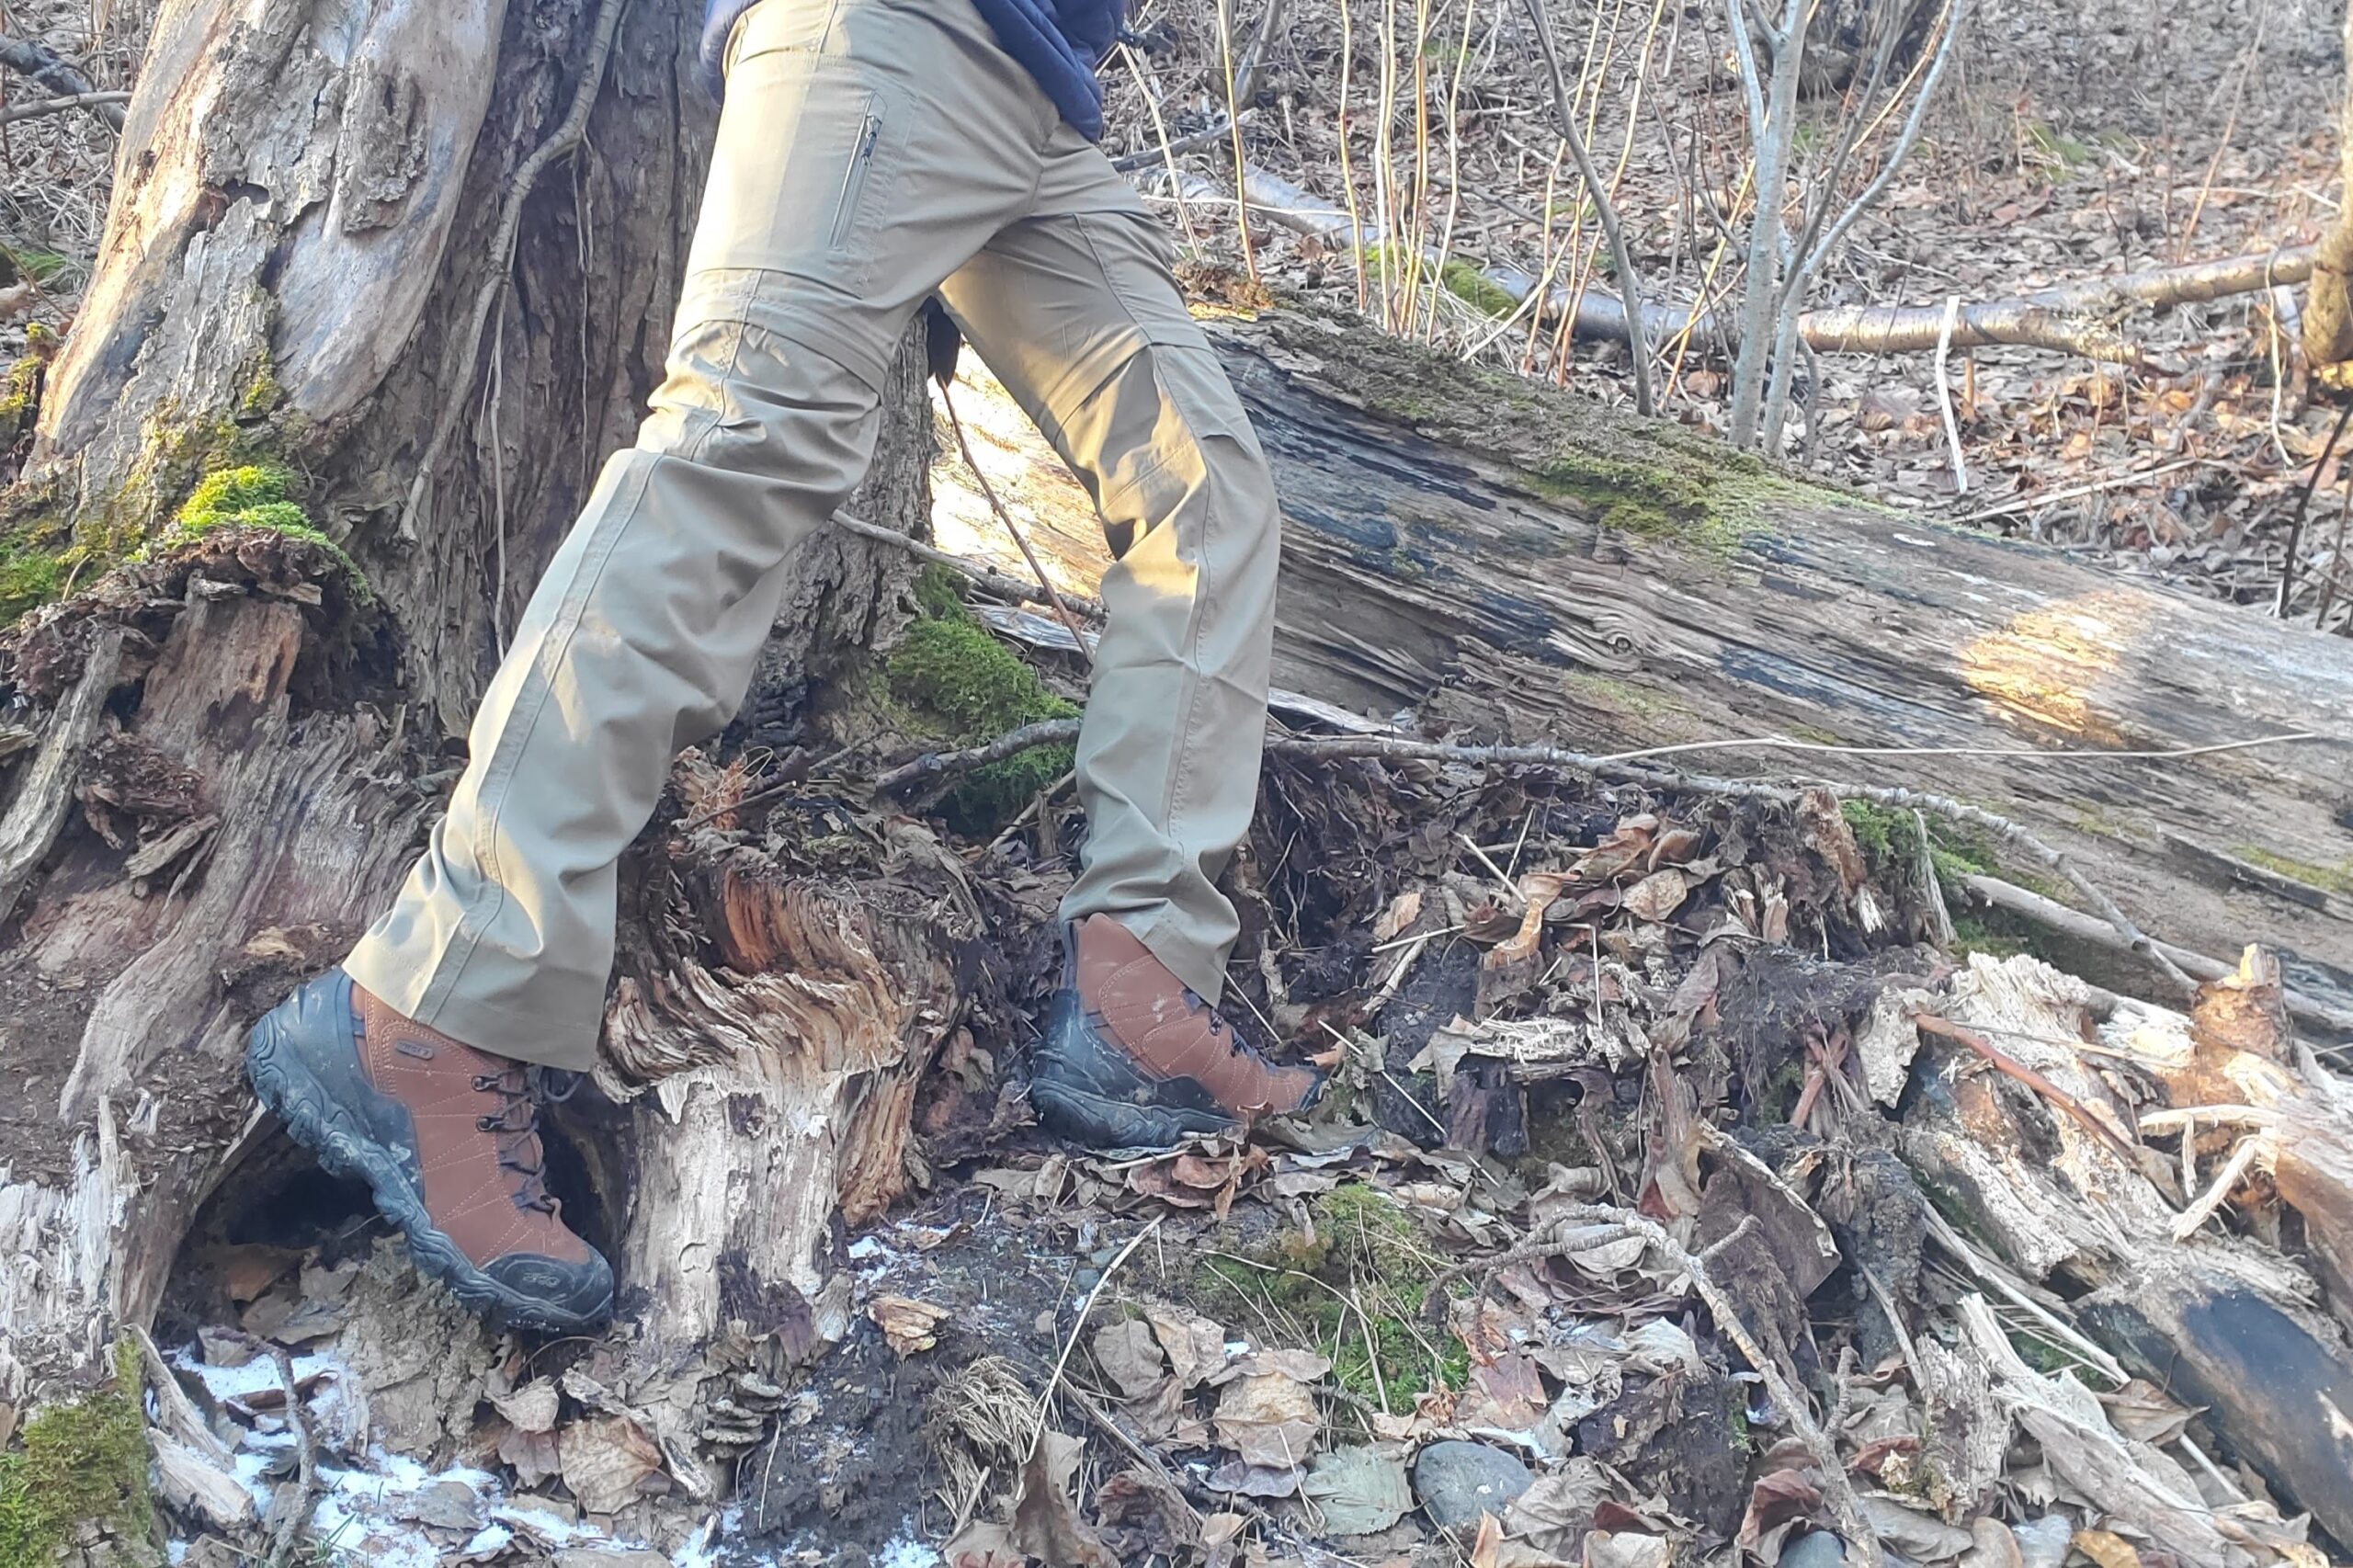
52, 71
37, 109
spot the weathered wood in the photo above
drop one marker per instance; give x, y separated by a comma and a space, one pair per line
125, 1007
1520, 564
286, 277
2224, 1321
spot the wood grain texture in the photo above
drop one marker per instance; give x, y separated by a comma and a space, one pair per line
1518, 565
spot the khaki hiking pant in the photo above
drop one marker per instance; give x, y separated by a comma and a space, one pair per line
870, 152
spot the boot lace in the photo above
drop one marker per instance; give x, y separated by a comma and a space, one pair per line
521, 1092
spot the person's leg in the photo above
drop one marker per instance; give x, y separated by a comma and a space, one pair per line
1075, 310
865, 147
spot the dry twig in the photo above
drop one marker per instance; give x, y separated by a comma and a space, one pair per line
37, 108
52, 71
292, 1512
1630, 280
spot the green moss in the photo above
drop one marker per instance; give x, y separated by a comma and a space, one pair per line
956, 681
1351, 1283
1976, 934
20, 396
252, 495
1646, 478
1474, 288
1715, 513
51, 269
1890, 839
30, 576
82, 1462
2328, 878
1875, 828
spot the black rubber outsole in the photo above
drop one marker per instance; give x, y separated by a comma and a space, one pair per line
315, 1121
1111, 1125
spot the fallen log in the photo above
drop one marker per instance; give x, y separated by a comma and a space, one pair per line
2071, 318
1520, 565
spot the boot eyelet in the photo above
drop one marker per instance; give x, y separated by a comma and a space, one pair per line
487, 1123
484, 1083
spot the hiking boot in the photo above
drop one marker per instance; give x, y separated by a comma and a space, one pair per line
1132, 1059
446, 1135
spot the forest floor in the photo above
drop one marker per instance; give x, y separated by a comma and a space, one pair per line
1683, 1252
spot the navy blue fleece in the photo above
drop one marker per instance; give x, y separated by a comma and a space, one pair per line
1058, 42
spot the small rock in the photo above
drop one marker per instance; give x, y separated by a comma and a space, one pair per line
1815, 1548
1459, 1482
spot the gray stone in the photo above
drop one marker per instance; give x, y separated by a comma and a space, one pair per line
1459, 1482
1815, 1548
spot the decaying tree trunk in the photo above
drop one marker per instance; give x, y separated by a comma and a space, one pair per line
1528, 567
236, 747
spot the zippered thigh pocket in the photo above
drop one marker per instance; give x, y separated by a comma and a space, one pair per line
851, 200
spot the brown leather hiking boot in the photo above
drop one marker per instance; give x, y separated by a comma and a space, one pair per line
1132, 1059
446, 1137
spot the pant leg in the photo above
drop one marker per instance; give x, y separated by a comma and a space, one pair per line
865, 147
1073, 308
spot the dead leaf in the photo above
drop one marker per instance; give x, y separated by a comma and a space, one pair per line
907, 1324
1360, 1490
531, 1408
1776, 1500
1195, 1345
247, 1272
1657, 895
2106, 1550
605, 1460
1268, 1418
1130, 1358
2145, 1412
535, 1456
1402, 911
1995, 1547
1045, 1521
1537, 892
1489, 1544
1627, 1550
984, 1545
1507, 1393
1556, 1513
1241, 1478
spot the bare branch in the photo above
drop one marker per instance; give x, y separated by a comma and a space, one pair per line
1630, 280
37, 108
562, 139
1245, 88
52, 71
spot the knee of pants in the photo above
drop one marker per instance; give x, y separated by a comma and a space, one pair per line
763, 400
1167, 431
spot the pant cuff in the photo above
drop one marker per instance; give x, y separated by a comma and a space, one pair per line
1201, 966
538, 1036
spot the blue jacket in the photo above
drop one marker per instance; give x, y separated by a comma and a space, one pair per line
1057, 41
